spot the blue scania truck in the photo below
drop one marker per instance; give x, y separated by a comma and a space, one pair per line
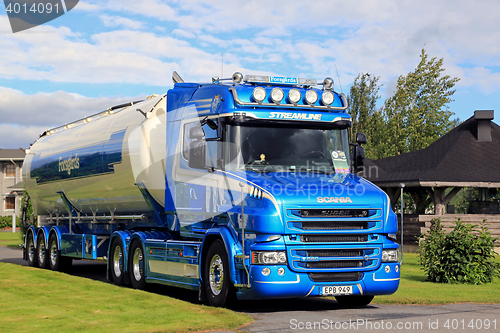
241, 188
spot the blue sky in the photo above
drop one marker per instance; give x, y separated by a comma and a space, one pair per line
103, 53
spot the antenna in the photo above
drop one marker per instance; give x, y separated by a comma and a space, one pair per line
222, 66
338, 77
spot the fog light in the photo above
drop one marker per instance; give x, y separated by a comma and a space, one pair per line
277, 95
259, 94
397, 268
387, 269
266, 271
311, 96
281, 271
294, 96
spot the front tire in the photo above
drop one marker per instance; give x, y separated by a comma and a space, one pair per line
136, 266
41, 251
30, 248
354, 301
218, 287
117, 262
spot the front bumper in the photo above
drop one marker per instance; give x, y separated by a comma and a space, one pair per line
382, 281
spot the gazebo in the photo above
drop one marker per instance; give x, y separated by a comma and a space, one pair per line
467, 156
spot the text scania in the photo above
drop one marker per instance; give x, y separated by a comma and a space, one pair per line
69, 164
334, 199
297, 116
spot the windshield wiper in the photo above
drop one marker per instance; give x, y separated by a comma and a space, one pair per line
247, 167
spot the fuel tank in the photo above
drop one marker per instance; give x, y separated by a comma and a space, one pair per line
96, 162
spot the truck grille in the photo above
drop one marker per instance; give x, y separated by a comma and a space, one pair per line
336, 277
334, 213
333, 238
334, 253
334, 225
335, 264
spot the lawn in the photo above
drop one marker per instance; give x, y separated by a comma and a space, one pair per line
414, 289
46, 301
10, 239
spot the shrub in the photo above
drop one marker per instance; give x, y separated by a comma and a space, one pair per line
465, 255
5, 222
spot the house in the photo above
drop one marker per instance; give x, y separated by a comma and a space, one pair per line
11, 161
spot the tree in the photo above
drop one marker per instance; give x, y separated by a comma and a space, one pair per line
417, 114
366, 118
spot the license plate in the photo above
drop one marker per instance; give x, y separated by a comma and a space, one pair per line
336, 290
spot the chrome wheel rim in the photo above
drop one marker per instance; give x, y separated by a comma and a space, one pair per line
31, 249
216, 274
118, 261
53, 253
41, 250
137, 264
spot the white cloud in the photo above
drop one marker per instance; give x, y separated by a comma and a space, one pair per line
24, 116
116, 21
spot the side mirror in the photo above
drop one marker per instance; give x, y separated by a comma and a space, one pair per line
358, 153
197, 154
196, 133
361, 138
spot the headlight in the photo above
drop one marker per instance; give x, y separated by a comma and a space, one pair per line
259, 94
294, 96
311, 96
390, 255
269, 257
277, 95
327, 97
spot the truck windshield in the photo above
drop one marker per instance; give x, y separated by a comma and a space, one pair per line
279, 149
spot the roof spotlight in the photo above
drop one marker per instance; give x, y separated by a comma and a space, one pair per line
237, 78
311, 96
327, 97
277, 95
328, 83
259, 94
294, 96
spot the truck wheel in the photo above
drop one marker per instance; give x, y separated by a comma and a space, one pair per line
117, 258
218, 285
136, 266
354, 301
30, 248
41, 252
57, 262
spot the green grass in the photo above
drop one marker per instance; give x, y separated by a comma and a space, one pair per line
10, 239
414, 289
45, 301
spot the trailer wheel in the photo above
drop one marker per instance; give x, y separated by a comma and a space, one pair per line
354, 301
30, 247
136, 266
41, 252
57, 262
117, 258
218, 285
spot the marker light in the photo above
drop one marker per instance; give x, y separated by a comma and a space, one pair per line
294, 96
328, 83
277, 95
311, 96
327, 97
237, 78
259, 94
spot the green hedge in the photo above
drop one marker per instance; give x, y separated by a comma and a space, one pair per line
465, 255
5, 222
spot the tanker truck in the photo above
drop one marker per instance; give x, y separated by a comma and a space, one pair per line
240, 188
